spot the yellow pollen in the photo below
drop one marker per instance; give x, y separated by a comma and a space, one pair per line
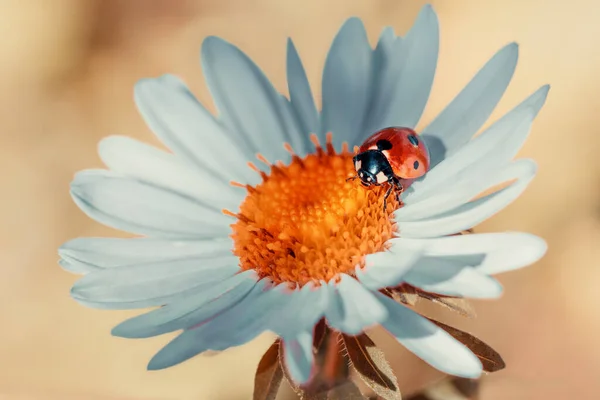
306, 223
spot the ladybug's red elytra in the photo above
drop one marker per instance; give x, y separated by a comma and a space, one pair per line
389, 156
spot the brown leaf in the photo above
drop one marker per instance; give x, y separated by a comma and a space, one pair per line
457, 304
268, 374
371, 365
319, 334
490, 359
405, 294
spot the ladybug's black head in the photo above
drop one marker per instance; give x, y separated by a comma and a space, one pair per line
372, 168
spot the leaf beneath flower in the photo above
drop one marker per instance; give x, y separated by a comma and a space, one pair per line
405, 294
490, 359
456, 304
319, 334
371, 365
268, 374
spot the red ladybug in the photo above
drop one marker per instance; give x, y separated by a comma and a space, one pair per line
389, 156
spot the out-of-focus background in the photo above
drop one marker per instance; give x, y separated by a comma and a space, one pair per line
67, 68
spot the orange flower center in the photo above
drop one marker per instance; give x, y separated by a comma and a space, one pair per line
305, 222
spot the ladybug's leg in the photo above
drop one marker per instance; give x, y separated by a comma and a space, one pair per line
399, 189
387, 194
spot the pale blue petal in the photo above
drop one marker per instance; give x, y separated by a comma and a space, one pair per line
299, 139
419, 52
264, 308
247, 102
301, 95
462, 192
187, 128
83, 255
142, 208
461, 119
196, 308
470, 214
307, 308
387, 37
388, 63
214, 336
387, 268
150, 165
150, 284
298, 356
452, 277
352, 307
430, 342
346, 83
499, 252
495, 147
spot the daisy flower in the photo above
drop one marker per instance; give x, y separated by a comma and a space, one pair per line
250, 225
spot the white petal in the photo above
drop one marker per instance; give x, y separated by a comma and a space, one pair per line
495, 147
352, 307
247, 102
500, 252
189, 311
452, 277
461, 192
213, 335
420, 52
470, 214
83, 255
141, 208
187, 128
430, 342
346, 83
150, 284
298, 356
300, 93
387, 268
461, 119
148, 164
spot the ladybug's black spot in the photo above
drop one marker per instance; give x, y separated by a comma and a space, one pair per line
413, 140
416, 164
384, 144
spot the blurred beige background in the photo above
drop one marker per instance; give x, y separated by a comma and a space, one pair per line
67, 68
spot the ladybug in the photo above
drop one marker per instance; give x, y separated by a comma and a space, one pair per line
389, 156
